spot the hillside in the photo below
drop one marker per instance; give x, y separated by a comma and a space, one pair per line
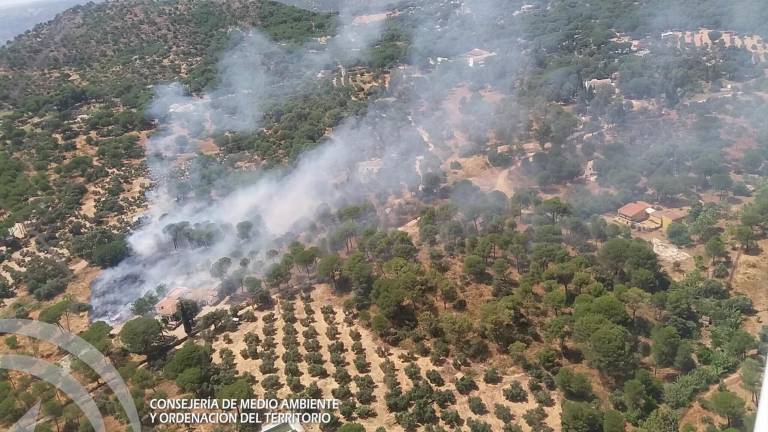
481, 215
117, 49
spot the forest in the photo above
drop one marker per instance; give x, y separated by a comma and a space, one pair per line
497, 287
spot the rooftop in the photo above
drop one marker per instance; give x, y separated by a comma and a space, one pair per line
634, 209
477, 52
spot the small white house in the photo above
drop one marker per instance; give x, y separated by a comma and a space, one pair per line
596, 84
477, 57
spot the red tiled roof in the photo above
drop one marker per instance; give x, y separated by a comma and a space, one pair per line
634, 210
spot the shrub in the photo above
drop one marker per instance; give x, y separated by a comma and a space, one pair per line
515, 393
680, 393
444, 398
317, 370
365, 411
412, 371
361, 364
720, 270
406, 420
450, 417
357, 347
465, 385
574, 385
342, 377
535, 417
544, 398
271, 382
347, 409
478, 426
435, 378
12, 342
352, 427
491, 376
503, 413
477, 406
342, 392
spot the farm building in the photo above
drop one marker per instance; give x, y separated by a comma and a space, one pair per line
477, 57
665, 216
634, 212
596, 84
646, 217
526, 9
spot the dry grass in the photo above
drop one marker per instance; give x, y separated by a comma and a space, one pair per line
322, 295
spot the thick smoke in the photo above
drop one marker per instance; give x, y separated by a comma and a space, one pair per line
283, 203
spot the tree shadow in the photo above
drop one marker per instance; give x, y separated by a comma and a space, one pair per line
573, 355
754, 250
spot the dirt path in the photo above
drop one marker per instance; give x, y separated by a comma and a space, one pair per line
88, 207
697, 413
750, 278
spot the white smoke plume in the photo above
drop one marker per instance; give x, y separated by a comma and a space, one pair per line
282, 203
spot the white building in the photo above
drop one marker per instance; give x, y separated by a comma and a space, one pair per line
596, 84
477, 57
18, 230
526, 9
